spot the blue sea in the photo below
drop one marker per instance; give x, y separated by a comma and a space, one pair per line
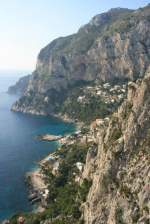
19, 150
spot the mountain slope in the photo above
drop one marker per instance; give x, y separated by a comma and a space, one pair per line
113, 185
120, 171
114, 46
20, 87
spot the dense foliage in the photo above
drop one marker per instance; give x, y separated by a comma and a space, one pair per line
90, 109
65, 195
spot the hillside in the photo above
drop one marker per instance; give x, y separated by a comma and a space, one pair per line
102, 174
112, 47
101, 75
120, 170
20, 87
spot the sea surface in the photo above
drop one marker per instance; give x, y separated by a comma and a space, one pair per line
19, 150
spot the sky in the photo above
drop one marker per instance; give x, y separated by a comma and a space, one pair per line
26, 26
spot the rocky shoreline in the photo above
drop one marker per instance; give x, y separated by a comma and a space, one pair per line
49, 138
37, 189
36, 181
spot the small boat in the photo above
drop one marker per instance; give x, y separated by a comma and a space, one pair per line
35, 200
32, 196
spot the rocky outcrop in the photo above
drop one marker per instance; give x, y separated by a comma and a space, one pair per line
120, 191
113, 46
20, 87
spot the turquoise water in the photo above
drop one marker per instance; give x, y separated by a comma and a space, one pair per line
19, 150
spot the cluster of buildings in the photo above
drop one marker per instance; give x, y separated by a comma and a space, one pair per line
110, 94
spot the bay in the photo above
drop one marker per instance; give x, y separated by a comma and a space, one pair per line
19, 150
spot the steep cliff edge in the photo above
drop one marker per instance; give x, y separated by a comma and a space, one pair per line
120, 171
115, 182
20, 87
115, 45
102, 174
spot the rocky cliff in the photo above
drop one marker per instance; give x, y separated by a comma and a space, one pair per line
103, 176
20, 87
113, 46
120, 171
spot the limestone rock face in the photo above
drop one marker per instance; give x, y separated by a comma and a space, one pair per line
112, 46
20, 87
120, 192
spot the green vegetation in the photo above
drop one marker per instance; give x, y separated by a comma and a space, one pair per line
120, 26
116, 134
87, 111
127, 110
85, 38
84, 189
119, 216
66, 195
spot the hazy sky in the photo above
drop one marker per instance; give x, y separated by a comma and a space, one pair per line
28, 25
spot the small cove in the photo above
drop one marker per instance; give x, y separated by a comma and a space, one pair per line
20, 150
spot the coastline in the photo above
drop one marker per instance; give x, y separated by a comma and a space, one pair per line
35, 179
66, 118
37, 188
